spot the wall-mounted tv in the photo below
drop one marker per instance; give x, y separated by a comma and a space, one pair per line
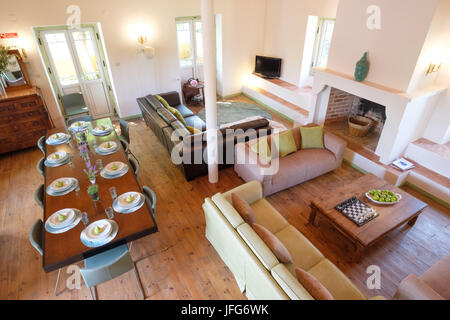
268, 67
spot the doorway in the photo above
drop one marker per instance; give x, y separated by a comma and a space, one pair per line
75, 63
190, 48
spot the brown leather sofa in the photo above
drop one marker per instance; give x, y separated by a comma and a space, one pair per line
193, 146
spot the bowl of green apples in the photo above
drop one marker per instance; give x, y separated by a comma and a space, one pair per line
383, 196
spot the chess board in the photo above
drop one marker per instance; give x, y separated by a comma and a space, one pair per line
357, 211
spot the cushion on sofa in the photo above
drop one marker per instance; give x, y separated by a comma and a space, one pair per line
262, 149
227, 209
177, 114
153, 102
243, 208
277, 247
193, 130
312, 285
250, 191
166, 115
258, 247
196, 122
312, 137
185, 111
304, 253
335, 281
285, 143
268, 216
289, 283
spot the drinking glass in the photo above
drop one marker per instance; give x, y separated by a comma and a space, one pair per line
112, 192
77, 190
99, 164
84, 218
109, 213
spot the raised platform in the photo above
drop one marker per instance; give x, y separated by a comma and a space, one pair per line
433, 156
285, 98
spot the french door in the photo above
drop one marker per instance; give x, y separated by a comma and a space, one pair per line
190, 48
75, 63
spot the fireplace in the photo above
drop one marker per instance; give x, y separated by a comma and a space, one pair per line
343, 105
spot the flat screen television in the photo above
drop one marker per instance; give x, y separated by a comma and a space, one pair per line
268, 67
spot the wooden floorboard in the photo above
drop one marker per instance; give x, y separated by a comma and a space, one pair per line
191, 268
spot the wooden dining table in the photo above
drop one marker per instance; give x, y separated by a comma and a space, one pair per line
60, 250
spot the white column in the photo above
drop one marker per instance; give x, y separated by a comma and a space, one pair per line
209, 69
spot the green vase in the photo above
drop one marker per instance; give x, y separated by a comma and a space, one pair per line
362, 68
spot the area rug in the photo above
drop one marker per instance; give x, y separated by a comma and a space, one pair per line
228, 112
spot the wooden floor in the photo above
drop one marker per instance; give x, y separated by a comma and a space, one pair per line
190, 268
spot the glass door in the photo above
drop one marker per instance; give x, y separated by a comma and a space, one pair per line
190, 48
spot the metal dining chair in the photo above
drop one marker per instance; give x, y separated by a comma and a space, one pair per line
36, 233
125, 136
41, 167
73, 120
125, 145
39, 196
41, 144
134, 165
106, 266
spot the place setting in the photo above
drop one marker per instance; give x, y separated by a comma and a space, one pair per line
57, 139
57, 159
79, 126
114, 170
102, 130
63, 220
99, 233
107, 148
128, 202
62, 186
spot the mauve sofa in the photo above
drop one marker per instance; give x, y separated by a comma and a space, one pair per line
293, 169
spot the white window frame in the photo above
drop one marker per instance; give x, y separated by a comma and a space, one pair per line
318, 43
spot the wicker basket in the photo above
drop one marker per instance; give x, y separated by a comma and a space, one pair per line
359, 126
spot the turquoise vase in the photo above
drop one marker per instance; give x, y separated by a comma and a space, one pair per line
362, 68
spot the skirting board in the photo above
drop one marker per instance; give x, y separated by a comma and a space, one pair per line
268, 107
136, 116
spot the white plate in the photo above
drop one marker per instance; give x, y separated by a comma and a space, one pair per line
79, 125
127, 205
103, 146
67, 183
61, 157
100, 130
72, 225
119, 209
104, 224
109, 167
57, 137
369, 196
94, 244
55, 223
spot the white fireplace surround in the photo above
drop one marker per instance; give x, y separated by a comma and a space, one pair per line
407, 114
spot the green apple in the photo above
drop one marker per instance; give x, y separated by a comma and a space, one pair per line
61, 217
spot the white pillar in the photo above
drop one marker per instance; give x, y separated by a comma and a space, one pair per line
209, 69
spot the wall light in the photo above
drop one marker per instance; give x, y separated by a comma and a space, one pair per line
434, 67
142, 32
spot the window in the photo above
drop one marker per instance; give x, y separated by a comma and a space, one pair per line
322, 43
190, 47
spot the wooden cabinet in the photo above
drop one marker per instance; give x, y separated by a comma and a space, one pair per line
23, 119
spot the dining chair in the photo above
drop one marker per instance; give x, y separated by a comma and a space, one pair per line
134, 165
125, 146
125, 135
41, 144
73, 120
39, 196
41, 167
36, 233
106, 266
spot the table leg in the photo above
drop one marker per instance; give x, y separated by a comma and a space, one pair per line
313, 217
412, 222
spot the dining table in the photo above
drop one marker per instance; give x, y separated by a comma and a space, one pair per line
63, 249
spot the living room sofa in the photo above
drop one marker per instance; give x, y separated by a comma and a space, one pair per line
256, 269
294, 168
163, 124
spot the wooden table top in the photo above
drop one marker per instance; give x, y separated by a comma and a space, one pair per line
64, 249
390, 216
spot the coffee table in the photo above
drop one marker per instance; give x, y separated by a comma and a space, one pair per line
390, 216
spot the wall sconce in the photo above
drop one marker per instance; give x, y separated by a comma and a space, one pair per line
434, 67
144, 47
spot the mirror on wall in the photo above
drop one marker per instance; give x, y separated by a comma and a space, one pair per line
15, 75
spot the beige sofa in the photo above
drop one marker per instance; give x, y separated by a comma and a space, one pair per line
293, 169
256, 269
434, 284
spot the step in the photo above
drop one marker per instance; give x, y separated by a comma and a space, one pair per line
433, 156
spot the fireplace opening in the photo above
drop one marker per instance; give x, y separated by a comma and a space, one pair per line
357, 120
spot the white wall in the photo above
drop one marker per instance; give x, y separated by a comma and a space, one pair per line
286, 24
393, 50
134, 75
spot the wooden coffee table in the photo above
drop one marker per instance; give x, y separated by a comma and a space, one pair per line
390, 216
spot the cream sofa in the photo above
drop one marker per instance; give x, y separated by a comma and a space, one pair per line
293, 169
256, 269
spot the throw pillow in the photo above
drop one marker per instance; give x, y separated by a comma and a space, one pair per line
243, 208
193, 130
262, 148
163, 101
312, 285
312, 137
274, 244
172, 110
285, 143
